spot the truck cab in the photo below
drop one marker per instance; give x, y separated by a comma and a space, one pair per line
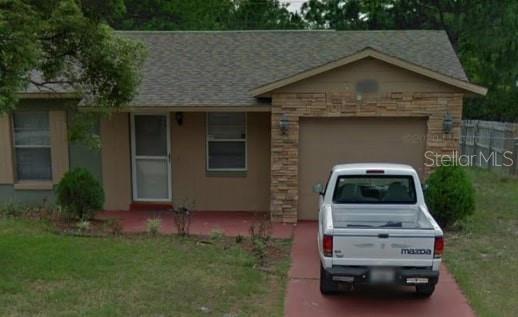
374, 227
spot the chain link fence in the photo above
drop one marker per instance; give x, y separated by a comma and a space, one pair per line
491, 144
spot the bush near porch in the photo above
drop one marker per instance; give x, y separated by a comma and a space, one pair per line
53, 275
483, 254
80, 194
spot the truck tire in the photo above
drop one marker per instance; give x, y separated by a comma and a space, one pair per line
425, 290
327, 285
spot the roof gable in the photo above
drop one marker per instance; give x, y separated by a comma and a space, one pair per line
222, 68
363, 54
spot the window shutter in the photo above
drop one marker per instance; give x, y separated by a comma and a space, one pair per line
6, 151
59, 144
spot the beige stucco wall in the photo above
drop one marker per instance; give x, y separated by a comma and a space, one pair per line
116, 167
414, 96
240, 192
389, 77
249, 191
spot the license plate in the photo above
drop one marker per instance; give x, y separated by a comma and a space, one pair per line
417, 280
382, 275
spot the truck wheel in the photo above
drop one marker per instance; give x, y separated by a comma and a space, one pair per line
424, 290
327, 285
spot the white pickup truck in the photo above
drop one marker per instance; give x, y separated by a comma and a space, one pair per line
374, 227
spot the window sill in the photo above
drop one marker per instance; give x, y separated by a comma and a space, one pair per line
242, 173
34, 185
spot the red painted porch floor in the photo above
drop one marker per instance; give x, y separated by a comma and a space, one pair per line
202, 222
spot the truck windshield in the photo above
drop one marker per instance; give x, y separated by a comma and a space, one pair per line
374, 189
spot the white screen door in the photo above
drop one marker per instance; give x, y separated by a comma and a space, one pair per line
151, 157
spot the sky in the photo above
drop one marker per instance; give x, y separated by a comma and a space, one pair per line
294, 4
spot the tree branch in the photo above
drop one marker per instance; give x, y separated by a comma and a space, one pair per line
44, 84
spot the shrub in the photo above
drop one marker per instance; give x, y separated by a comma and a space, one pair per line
113, 225
450, 195
83, 225
182, 212
260, 250
47, 211
11, 209
38, 210
261, 230
260, 235
216, 234
239, 238
153, 226
182, 220
80, 194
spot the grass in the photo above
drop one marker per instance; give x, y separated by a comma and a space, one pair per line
45, 274
483, 256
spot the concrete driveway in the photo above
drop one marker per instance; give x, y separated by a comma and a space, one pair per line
304, 298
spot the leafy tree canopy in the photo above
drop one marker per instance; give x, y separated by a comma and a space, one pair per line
69, 43
207, 15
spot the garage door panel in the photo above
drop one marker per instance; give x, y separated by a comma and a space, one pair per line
325, 142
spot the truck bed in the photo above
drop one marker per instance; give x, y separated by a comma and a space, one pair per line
394, 236
386, 216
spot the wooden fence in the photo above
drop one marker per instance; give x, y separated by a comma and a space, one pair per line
490, 144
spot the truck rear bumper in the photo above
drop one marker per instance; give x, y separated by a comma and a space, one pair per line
402, 276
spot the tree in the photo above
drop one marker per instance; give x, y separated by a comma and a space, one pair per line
488, 45
206, 15
333, 14
66, 43
263, 14
175, 15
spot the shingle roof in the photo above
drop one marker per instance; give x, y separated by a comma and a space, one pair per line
221, 68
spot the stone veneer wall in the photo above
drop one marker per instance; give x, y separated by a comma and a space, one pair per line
284, 148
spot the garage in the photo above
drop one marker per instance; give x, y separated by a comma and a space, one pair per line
325, 142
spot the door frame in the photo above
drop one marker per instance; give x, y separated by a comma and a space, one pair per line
134, 159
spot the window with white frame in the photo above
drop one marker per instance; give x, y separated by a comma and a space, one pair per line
226, 141
32, 145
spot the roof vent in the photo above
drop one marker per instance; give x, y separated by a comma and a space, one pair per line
367, 86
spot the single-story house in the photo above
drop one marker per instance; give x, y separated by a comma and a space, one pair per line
249, 120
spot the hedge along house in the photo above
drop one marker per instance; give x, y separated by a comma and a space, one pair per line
249, 121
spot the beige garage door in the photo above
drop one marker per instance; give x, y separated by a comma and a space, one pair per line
325, 142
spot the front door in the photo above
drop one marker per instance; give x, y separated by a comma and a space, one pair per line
151, 157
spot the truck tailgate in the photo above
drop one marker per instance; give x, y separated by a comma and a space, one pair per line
383, 247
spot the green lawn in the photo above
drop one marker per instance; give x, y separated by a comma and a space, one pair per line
45, 274
483, 256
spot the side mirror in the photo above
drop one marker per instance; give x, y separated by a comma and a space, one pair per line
425, 188
318, 189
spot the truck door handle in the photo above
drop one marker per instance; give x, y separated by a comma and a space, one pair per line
383, 235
